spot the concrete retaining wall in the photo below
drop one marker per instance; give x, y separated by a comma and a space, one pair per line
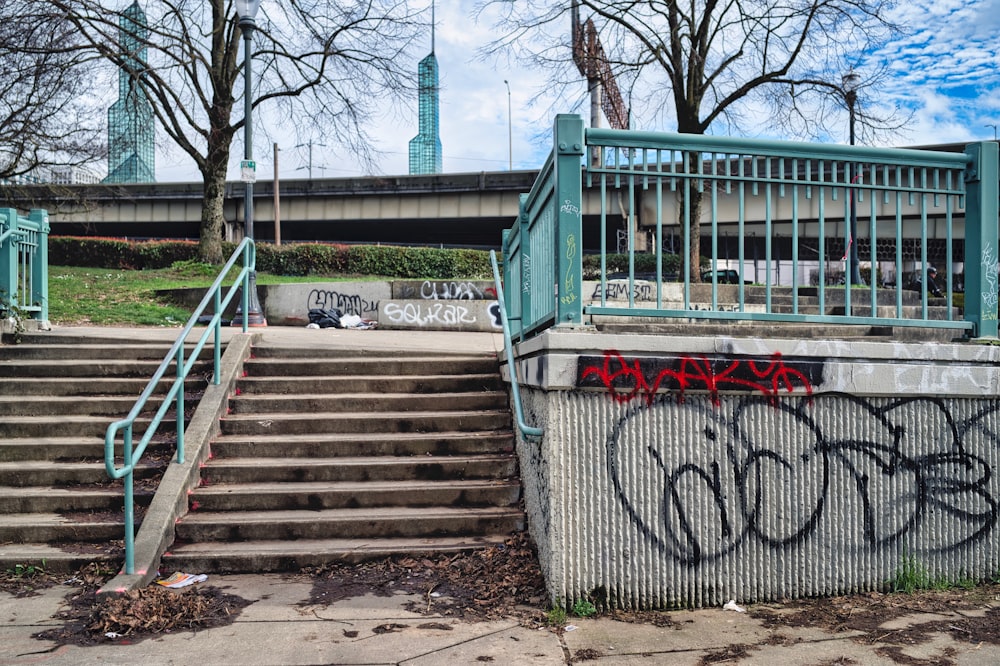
440, 305
691, 471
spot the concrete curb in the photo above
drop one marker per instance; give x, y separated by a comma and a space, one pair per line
170, 502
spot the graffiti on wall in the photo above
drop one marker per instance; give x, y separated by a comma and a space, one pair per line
778, 464
435, 314
617, 290
775, 474
347, 303
627, 379
449, 290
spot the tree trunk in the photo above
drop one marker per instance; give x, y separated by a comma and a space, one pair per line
212, 217
692, 194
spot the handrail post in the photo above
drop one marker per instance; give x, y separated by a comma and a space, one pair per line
129, 502
568, 174
179, 404
981, 247
8, 257
217, 342
525, 302
40, 265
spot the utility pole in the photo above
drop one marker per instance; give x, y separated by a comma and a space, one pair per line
277, 200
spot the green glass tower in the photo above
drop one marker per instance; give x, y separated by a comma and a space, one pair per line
131, 131
425, 147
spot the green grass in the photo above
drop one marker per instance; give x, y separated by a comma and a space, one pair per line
108, 297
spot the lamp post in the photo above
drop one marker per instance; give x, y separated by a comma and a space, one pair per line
510, 131
850, 83
247, 11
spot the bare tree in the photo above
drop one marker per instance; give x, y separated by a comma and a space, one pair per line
747, 63
317, 64
46, 119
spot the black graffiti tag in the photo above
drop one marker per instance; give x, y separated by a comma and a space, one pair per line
769, 472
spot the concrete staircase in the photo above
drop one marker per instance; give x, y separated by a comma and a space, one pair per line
58, 508
349, 455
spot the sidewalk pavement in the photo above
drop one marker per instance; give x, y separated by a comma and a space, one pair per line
281, 626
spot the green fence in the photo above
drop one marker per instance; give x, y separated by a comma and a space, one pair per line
804, 193
24, 264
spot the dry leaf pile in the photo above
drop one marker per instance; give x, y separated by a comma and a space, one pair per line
499, 581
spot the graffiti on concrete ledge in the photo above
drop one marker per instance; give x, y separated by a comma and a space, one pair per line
848, 473
322, 299
632, 378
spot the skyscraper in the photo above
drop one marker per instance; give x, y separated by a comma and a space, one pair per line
131, 131
425, 147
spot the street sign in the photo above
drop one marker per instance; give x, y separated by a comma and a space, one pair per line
248, 171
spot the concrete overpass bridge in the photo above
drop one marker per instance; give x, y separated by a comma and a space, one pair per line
453, 209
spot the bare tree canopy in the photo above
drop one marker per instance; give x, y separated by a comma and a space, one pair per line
45, 119
316, 64
771, 66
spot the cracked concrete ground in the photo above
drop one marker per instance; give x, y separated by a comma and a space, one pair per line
280, 626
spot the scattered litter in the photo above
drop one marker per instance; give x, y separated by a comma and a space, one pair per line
435, 594
570, 627
112, 634
72, 581
182, 580
731, 605
312, 325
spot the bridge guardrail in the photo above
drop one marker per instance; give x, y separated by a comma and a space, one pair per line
692, 181
24, 263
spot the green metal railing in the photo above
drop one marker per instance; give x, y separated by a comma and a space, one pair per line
526, 430
24, 263
806, 193
131, 453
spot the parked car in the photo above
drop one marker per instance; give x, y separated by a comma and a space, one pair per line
725, 276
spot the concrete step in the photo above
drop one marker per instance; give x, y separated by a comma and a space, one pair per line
97, 368
62, 557
90, 386
353, 495
88, 350
316, 445
44, 405
63, 448
374, 367
266, 351
394, 522
23, 474
50, 499
262, 404
42, 527
373, 384
263, 556
347, 469
382, 422
74, 425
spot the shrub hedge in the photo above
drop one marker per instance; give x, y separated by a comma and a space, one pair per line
298, 259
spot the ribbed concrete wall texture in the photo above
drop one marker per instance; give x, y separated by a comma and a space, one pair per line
713, 471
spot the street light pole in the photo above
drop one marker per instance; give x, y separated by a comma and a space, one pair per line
851, 81
247, 11
510, 131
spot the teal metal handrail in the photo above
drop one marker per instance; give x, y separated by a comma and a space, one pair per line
526, 430
803, 194
24, 269
175, 395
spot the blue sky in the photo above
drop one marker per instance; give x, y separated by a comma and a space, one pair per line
946, 72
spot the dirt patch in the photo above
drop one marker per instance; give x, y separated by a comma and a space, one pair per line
496, 582
973, 617
141, 614
733, 653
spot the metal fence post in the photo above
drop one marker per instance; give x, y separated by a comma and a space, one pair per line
981, 251
568, 172
40, 265
8, 258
